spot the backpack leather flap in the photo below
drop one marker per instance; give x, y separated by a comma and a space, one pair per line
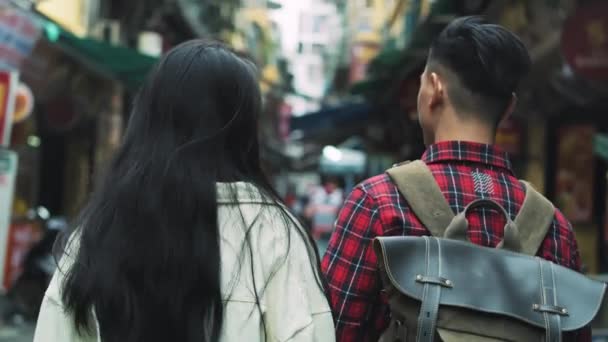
457, 336
488, 280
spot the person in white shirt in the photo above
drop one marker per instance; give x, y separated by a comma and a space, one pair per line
185, 240
322, 209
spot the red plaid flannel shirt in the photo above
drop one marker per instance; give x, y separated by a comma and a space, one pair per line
464, 171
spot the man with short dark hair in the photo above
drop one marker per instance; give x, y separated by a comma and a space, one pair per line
467, 88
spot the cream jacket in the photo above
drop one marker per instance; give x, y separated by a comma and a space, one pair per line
293, 305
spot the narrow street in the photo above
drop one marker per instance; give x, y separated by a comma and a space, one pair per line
24, 333
14, 332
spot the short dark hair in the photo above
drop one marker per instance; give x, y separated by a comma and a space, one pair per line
486, 59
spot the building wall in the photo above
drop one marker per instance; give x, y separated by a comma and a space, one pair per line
71, 14
311, 34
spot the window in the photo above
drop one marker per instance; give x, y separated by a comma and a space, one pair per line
315, 72
318, 49
305, 23
319, 24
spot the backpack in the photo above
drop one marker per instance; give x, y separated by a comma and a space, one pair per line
445, 288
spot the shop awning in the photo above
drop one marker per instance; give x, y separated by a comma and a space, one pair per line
123, 64
331, 118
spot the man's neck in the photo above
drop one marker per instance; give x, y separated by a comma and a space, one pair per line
472, 132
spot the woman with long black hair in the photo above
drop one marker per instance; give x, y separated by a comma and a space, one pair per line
185, 240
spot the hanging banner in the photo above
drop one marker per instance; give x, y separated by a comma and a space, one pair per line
8, 175
9, 81
19, 32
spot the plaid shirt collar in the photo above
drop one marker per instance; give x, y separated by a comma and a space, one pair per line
464, 151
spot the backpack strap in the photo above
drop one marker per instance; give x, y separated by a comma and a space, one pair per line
534, 220
418, 185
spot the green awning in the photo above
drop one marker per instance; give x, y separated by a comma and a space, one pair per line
123, 64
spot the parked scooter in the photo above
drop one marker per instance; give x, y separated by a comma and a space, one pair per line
27, 292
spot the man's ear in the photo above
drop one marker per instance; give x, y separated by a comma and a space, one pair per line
510, 108
438, 90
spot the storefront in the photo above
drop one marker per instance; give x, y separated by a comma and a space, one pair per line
66, 119
569, 106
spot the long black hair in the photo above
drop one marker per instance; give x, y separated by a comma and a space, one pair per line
148, 260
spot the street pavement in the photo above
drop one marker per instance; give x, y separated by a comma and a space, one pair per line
24, 333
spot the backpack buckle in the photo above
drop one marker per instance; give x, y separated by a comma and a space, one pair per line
556, 310
435, 281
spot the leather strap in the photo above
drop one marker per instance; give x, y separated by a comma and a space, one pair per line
553, 328
417, 184
534, 220
431, 295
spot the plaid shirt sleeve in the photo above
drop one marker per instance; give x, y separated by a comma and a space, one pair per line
351, 270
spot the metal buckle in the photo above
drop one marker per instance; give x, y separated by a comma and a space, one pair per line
556, 310
434, 280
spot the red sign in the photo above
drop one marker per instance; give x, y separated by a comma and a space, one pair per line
585, 41
8, 84
21, 238
285, 111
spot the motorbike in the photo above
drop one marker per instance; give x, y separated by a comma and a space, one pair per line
27, 292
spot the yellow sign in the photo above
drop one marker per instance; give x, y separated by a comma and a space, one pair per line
24, 103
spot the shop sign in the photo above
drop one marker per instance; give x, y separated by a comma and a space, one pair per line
9, 80
19, 32
8, 174
585, 41
575, 172
362, 54
24, 103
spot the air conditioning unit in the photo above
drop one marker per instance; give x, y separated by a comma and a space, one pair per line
107, 30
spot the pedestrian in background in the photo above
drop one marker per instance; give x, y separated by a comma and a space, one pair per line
185, 240
323, 206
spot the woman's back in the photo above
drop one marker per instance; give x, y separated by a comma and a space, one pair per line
276, 261
173, 245
293, 307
